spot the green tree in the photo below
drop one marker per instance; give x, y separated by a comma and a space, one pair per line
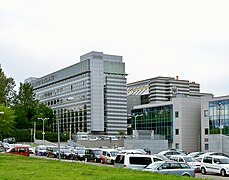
28, 109
7, 92
43, 111
25, 105
6, 120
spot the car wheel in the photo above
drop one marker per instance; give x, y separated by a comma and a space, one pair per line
223, 172
203, 171
187, 175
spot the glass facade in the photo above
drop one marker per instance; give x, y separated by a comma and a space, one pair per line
219, 117
159, 119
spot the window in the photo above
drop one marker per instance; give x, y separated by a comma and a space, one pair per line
177, 146
205, 113
206, 131
207, 160
206, 146
176, 131
140, 160
176, 114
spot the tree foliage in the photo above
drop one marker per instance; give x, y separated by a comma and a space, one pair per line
6, 120
28, 109
7, 91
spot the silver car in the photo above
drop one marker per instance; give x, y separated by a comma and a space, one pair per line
171, 167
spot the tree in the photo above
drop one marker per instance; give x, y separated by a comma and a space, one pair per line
6, 120
28, 109
7, 91
25, 105
44, 111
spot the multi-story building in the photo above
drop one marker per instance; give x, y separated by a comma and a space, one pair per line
97, 89
177, 121
159, 89
215, 124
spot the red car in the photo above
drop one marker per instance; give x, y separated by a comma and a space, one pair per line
21, 150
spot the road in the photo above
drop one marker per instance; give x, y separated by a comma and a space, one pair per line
211, 176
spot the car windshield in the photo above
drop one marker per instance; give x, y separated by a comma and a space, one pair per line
42, 148
113, 153
97, 152
81, 151
66, 150
190, 159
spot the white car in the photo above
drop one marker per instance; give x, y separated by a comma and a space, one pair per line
192, 162
215, 164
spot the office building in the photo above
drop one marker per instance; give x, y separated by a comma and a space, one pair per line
177, 121
96, 87
159, 89
215, 124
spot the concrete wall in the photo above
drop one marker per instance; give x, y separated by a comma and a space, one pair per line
219, 143
97, 144
155, 146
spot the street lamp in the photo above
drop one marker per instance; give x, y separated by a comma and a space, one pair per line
135, 118
135, 123
43, 133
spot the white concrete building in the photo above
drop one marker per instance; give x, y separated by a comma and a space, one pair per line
97, 85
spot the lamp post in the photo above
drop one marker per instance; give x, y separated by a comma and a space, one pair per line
43, 133
135, 123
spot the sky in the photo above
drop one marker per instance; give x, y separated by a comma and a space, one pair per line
185, 38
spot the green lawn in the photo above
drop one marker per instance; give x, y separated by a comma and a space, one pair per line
20, 167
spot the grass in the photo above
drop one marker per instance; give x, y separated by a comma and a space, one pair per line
20, 167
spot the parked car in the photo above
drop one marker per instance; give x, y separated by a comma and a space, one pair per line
171, 152
40, 150
65, 153
3, 149
134, 161
171, 167
20, 150
79, 153
187, 159
31, 150
51, 151
108, 156
211, 154
215, 164
10, 140
92, 154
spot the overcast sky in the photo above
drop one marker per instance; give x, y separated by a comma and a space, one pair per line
189, 39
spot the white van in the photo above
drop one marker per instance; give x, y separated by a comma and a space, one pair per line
134, 161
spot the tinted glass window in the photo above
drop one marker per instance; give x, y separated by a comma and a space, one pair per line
140, 160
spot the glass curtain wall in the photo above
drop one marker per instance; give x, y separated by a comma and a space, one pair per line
159, 119
219, 117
